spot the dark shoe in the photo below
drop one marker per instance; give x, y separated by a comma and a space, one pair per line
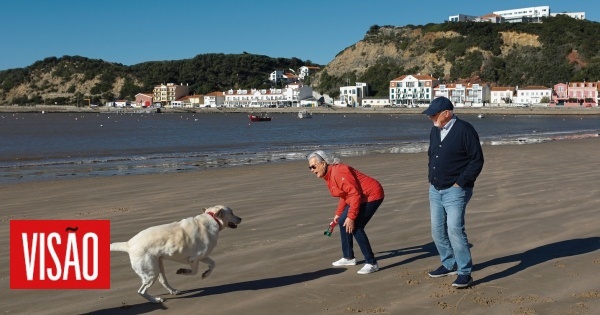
462, 281
441, 272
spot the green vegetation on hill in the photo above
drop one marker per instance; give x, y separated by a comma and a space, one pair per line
204, 74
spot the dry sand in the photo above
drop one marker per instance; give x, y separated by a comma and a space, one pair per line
533, 222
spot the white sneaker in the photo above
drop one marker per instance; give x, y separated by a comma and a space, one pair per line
368, 268
344, 262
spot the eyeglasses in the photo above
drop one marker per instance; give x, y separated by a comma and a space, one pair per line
312, 167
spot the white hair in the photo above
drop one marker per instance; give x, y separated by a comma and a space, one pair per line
323, 156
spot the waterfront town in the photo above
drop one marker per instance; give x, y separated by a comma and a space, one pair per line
405, 91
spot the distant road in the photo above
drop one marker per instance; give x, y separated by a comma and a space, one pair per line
488, 110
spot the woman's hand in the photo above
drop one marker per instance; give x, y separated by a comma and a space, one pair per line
336, 219
349, 224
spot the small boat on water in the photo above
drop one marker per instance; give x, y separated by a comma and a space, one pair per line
481, 116
304, 114
259, 117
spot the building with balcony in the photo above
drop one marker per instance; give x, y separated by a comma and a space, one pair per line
412, 90
582, 94
476, 94
214, 99
351, 96
290, 96
167, 93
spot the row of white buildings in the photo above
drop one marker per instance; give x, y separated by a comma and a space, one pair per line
404, 91
522, 15
420, 90
173, 95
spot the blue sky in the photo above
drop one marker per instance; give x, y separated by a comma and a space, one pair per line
135, 31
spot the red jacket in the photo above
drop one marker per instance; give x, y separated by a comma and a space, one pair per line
353, 188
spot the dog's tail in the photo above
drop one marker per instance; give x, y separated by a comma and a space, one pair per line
119, 247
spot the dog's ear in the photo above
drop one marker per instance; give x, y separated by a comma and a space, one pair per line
218, 212
204, 210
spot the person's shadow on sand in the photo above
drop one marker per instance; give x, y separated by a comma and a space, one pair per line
426, 250
539, 255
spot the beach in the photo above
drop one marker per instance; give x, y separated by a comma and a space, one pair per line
532, 222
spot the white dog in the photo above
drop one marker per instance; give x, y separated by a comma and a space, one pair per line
188, 241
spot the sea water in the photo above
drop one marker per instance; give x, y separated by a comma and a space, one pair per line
35, 146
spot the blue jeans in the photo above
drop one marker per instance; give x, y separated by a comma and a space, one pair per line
447, 208
366, 212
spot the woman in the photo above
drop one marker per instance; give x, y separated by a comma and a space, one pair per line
360, 196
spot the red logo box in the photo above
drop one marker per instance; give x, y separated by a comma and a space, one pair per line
60, 254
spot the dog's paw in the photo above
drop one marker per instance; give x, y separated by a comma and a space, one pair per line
156, 300
183, 271
175, 292
206, 274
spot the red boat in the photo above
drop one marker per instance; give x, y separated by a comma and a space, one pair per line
259, 117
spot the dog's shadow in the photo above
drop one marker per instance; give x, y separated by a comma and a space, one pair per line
538, 255
142, 308
259, 284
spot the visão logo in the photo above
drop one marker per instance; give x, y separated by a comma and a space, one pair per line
60, 254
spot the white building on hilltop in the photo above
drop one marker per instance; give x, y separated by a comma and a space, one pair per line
531, 14
527, 15
575, 15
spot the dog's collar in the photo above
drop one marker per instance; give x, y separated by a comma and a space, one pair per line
218, 222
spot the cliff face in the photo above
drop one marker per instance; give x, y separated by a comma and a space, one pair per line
413, 50
51, 82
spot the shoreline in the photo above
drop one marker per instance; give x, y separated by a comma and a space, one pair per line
76, 170
488, 110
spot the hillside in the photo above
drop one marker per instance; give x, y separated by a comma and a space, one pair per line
72, 79
560, 49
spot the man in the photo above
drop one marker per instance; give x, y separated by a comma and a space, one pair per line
455, 161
